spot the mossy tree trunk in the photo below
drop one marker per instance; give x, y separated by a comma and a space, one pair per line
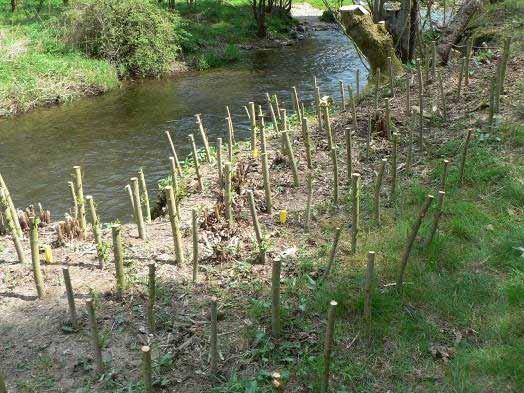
372, 39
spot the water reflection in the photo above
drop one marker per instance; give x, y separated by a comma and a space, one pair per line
111, 136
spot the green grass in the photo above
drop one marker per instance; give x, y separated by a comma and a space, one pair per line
463, 294
214, 29
37, 69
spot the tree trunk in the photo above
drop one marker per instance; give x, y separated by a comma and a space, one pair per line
457, 26
259, 13
13, 5
372, 39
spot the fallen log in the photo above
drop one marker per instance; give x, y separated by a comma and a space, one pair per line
456, 28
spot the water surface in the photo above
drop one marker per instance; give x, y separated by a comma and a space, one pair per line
113, 135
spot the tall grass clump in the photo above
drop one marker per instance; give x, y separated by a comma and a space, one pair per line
139, 38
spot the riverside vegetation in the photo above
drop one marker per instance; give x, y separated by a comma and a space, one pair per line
51, 52
327, 310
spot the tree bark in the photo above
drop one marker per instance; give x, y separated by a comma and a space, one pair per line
457, 26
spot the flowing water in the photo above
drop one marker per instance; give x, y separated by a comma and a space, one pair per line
113, 135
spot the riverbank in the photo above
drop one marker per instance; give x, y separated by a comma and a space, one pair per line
457, 325
42, 66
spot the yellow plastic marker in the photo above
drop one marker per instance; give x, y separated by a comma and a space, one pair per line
48, 254
283, 216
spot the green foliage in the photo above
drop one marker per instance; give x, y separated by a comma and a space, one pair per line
136, 36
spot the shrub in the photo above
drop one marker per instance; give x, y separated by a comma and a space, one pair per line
137, 36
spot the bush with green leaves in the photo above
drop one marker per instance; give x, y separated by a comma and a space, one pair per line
137, 36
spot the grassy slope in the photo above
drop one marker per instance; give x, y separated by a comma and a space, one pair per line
459, 325
36, 69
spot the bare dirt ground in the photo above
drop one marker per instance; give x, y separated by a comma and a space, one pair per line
40, 353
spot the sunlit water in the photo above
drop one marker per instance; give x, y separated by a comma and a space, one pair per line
113, 135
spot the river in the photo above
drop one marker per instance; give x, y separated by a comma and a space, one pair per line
113, 135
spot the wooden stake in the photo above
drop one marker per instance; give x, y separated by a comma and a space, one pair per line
204, 137
253, 119
130, 193
194, 216
327, 124
70, 297
378, 186
151, 288
196, 163
309, 200
421, 106
368, 292
11, 207
492, 102
333, 254
277, 106
272, 112
411, 240
3, 387
503, 69
219, 160
146, 195
256, 226
175, 225
228, 197
139, 218
394, 167
377, 89
175, 183
275, 298
79, 188
75, 200
35, 256
443, 97
328, 343
307, 142
95, 340
355, 210
231, 129
11, 228
118, 253
464, 156
353, 108
349, 152
391, 80
318, 108
213, 363
462, 65
342, 96
96, 230
433, 60
267, 182
334, 162
445, 164
173, 153
146, 369
357, 81
408, 95
467, 62
368, 137
436, 218
296, 104
388, 118
291, 156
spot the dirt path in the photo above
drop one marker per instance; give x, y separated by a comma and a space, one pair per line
305, 12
